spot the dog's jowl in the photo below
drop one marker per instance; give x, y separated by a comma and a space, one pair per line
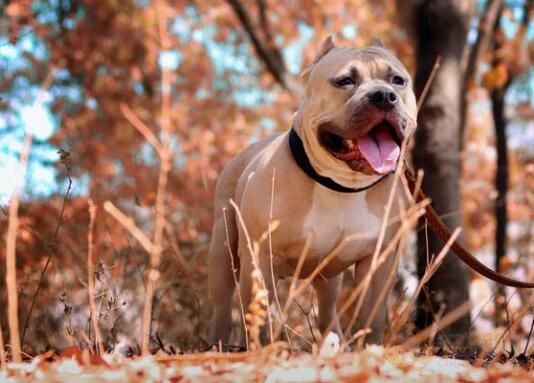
331, 171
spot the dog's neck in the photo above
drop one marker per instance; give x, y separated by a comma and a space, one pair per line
301, 158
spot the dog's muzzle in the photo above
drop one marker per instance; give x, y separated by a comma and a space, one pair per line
376, 151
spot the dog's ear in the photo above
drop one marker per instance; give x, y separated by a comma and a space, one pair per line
378, 43
326, 46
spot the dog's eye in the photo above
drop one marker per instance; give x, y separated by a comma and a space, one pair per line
398, 80
344, 81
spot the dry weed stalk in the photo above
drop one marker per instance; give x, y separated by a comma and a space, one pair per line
165, 167
133, 119
64, 158
11, 237
257, 309
129, 224
433, 265
444, 322
428, 85
91, 277
3, 362
253, 249
511, 324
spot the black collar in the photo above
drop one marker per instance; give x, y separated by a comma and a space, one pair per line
300, 156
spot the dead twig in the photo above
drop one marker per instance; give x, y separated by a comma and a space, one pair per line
431, 269
253, 249
444, 322
428, 83
529, 335
129, 224
91, 277
141, 127
64, 157
3, 362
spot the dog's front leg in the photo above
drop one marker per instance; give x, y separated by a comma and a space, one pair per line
221, 281
327, 291
373, 313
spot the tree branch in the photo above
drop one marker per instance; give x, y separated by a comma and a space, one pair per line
267, 32
275, 66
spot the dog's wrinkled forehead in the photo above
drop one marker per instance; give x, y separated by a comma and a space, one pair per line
368, 63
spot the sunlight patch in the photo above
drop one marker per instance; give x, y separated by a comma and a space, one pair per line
37, 119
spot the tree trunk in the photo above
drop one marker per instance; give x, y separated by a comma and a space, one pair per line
501, 186
440, 29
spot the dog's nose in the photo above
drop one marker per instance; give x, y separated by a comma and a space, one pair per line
383, 99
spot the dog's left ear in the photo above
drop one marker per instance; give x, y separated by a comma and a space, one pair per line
378, 43
326, 46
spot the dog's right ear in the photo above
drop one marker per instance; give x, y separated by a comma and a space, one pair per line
326, 46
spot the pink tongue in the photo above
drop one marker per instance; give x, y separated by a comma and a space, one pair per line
380, 151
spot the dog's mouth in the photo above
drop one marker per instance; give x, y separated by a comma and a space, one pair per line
375, 152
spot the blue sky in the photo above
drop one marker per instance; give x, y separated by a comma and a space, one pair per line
41, 178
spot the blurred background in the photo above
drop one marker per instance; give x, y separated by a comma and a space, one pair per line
232, 78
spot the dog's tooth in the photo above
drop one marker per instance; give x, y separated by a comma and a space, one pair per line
350, 144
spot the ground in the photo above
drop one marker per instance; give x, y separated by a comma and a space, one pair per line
271, 364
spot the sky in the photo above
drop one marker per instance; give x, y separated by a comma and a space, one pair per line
41, 177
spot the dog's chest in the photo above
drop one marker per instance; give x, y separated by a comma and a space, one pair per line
339, 220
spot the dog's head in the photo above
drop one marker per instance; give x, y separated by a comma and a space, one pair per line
358, 106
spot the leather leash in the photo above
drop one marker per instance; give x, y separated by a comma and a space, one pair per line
443, 232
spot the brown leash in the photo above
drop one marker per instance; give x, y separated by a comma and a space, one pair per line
443, 232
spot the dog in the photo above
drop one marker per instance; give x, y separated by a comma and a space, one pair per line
331, 176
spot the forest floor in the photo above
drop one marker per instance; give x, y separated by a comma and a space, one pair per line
271, 364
